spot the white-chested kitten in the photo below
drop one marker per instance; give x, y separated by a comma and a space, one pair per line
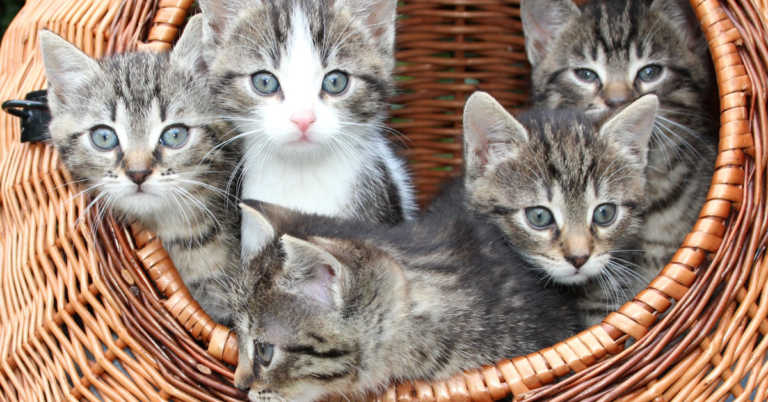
568, 191
306, 84
138, 131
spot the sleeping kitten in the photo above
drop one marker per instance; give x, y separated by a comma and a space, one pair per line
345, 307
306, 83
135, 130
567, 190
606, 54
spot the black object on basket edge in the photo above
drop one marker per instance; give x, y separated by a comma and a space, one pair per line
34, 114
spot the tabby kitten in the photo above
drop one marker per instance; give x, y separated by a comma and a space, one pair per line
306, 83
567, 190
135, 129
334, 306
606, 54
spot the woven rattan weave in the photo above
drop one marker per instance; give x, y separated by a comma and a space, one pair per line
90, 307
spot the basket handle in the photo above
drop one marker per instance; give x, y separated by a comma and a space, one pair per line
169, 17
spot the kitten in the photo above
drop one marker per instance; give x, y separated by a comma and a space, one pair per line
334, 306
606, 54
306, 83
135, 129
567, 190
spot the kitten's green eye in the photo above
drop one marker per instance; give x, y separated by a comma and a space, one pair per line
174, 137
649, 73
586, 75
335, 82
265, 83
104, 138
265, 352
604, 214
539, 217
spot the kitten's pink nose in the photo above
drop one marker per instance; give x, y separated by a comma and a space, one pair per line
304, 119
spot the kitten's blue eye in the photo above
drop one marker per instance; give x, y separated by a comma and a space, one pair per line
586, 75
335, 82
265, 352
649, 73
174, 137
104, 138
604, 214
539, 217
265, 83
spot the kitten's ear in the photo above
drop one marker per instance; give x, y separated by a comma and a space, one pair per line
683, 19
489, 132
257, 230
66, 67
380, 18
633, 126
188, 51
543, 20
217, 15
313, 271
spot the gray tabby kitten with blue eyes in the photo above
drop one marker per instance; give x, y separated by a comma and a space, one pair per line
605, 54
567, 190
136, 131
306, 84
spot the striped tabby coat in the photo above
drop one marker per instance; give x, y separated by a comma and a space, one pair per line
343, 307
607, 53
566, 189
136, 130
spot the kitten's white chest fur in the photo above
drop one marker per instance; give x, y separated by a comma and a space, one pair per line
323, 186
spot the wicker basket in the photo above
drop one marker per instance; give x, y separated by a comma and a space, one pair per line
90, 305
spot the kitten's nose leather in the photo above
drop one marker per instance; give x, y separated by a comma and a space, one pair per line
138, 176
616, 94
304, 119
243, 387
577, 261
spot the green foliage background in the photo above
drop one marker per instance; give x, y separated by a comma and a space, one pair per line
8, 9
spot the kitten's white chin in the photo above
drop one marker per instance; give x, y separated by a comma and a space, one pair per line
303, 142
139, 203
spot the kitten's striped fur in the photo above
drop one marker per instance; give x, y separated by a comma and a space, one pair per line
568, 165
351, 307
181, 196
617, 40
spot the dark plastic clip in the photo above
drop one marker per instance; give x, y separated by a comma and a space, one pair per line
34, 113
